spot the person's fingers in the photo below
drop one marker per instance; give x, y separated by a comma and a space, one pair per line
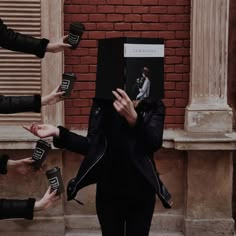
60, 93
28, 160
26, 127
123, 94
65, 37
117, 106
118, 97
66, 45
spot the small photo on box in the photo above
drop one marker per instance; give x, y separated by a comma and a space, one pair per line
133, 64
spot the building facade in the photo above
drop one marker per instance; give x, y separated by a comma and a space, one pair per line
196, 161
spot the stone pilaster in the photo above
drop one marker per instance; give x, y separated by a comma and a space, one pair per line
208, 110
209, 194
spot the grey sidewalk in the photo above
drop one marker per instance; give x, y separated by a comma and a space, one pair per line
97, 233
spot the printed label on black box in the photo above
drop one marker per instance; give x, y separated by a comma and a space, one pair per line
38, 153
65, 84
73, 38
54, 182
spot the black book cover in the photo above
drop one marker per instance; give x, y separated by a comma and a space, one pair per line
133, 64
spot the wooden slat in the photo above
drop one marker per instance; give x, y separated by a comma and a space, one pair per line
20, 74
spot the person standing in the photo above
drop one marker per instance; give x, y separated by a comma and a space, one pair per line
122, 138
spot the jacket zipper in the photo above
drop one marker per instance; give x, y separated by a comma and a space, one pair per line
102, 154
156, 179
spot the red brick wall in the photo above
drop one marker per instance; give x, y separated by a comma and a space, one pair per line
168, 19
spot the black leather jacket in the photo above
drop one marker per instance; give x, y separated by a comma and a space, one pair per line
149, 133
14, 208
15, 104
19, 42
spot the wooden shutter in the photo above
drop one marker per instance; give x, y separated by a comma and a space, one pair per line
20, 74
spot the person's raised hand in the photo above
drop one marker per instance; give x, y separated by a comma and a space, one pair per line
124, 106
59, 45
42, 130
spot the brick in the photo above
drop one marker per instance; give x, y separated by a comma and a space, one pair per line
150, 34
182, 86
92, 68
181, 68
79, 17
159, 9
182, 35
115, 2
167, 18
167, 34
90, 26
182, 18
93, 52
88, 43
123, 9
97, 34
132, 2
97, 17
88, 9
150, 2
72, 111
71, 60
169, 102
169, 85
87, 94
113, 34
72, 8
180, 102
178, 26
176, 9
173, 60
80, 102
132, 34
87, 77
183, 2
132, 18
79, 52
167, 2
169, 69
85, 111
105, 9
80, 68
174, 77
182, 51
105, 26
140, 26
174, 43
114, 17
175, 111
123, 26
84, 86
150, 18
173, 94
76, 119
157, 26
140, 9
89, 60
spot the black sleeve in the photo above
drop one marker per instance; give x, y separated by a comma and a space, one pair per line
16, 104
11, 208
3, 164
150, 132
19, 42
71, 141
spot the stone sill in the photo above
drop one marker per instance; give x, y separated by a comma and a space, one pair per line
18, 138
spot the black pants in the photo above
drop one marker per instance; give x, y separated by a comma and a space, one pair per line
125, 216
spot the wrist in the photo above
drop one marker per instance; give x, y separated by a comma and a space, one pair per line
44, 100
38, 206
133, 120
56, 132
